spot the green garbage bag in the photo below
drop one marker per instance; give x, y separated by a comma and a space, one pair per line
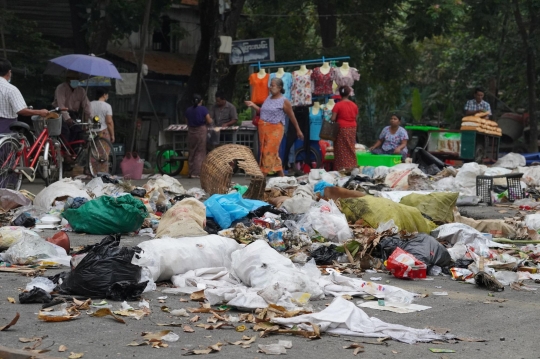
375, 210
107, 215
437, 206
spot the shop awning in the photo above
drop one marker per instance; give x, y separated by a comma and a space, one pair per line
164, 63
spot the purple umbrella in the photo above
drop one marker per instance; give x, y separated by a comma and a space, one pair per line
85, 64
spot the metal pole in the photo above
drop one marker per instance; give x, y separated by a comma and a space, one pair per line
144, 32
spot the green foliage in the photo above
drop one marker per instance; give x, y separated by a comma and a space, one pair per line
416, 106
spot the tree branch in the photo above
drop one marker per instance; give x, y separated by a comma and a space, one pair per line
534, 18
519, 21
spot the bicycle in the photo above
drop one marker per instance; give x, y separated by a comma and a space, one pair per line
93, 149
18, 158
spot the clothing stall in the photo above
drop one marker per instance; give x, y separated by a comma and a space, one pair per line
312, 89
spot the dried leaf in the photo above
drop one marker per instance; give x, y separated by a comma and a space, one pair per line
155, 336
315, 334
198, 296
165, 309
246, 340
394, 351
135, 344
62, 348
240, 328
170, 324
29, 340
217, 326
188, 329
219, 317
212, 320
106, 311
184, 300
211, 349
80, 305
195, 319
357, 348
57, 318
471, 340
263, 326
75, 355
11, 300
247, 317
136, 313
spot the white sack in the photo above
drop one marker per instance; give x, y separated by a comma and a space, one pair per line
511, 160
165, 257
532, 221
344, 318
260, 266
466, 178
60, 189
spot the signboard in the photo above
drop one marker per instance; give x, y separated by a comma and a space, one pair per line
252, 51
96, 81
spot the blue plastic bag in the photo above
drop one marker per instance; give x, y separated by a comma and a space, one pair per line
320, 186
227, 208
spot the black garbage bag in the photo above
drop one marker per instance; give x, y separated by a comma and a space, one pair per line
138, 192
108, 179
325, 254
259, 212
424, 247
246, 221
36, 295
180, 197
104, 265
24, 220
211, 226
427, 163
126, 290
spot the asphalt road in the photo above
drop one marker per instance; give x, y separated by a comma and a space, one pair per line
509, 327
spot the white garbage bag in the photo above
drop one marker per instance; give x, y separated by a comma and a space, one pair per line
60, 189
466, 178
511, 160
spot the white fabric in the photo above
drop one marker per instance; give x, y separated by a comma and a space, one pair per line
101, 109
343, 317
64, 188
11, 100
165, 257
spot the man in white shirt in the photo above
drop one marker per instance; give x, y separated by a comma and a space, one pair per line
11, 100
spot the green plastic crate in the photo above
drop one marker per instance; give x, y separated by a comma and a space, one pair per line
369, 159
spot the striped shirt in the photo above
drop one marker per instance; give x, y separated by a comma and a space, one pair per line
472, 105
11, 100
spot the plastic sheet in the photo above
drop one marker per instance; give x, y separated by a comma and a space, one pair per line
10, 199
107, 215
32, 250
437, 206
11, 235
325, 219
227, 208
511, 160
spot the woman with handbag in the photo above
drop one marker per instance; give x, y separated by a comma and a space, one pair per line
271, 126
345, 113
197, 118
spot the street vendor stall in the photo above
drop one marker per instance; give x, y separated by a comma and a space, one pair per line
463, 145
174, 144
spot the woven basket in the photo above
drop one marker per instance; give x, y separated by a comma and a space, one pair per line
217, 170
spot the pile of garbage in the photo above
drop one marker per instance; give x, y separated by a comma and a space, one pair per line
305, 241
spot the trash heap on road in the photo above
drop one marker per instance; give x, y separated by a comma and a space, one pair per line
307, 239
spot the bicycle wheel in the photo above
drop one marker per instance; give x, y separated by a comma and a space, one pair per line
168, 162
101, 156
313, 160
55, 166
8, 162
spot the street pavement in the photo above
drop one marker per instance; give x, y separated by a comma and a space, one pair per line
505, 320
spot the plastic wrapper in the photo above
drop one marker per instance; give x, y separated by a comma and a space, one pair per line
275, 239
10, 235
10, 199
138, 192
24, 220
325, 254
404, 265
326, 220
32, 250
41, 282
105, 267
35, 295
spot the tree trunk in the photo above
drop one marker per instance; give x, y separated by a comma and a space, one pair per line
327, 22
227, 83
531, 84
80, 46
198, 80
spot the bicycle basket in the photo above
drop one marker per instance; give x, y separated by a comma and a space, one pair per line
54, 125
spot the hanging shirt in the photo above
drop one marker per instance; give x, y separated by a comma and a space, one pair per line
301, 89
322, 83
272, 110
287, 83
346, 111
392, 141
345, 80
259, 88
315, 124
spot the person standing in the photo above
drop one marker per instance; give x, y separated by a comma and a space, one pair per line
271, 126
345, 113
12, 102
223, 113
103, 110
73, 97
197, 118
477, 105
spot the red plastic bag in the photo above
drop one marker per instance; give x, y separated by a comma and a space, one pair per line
132, 166
256, 119
402, 264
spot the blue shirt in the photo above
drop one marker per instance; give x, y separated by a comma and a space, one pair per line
196, 116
